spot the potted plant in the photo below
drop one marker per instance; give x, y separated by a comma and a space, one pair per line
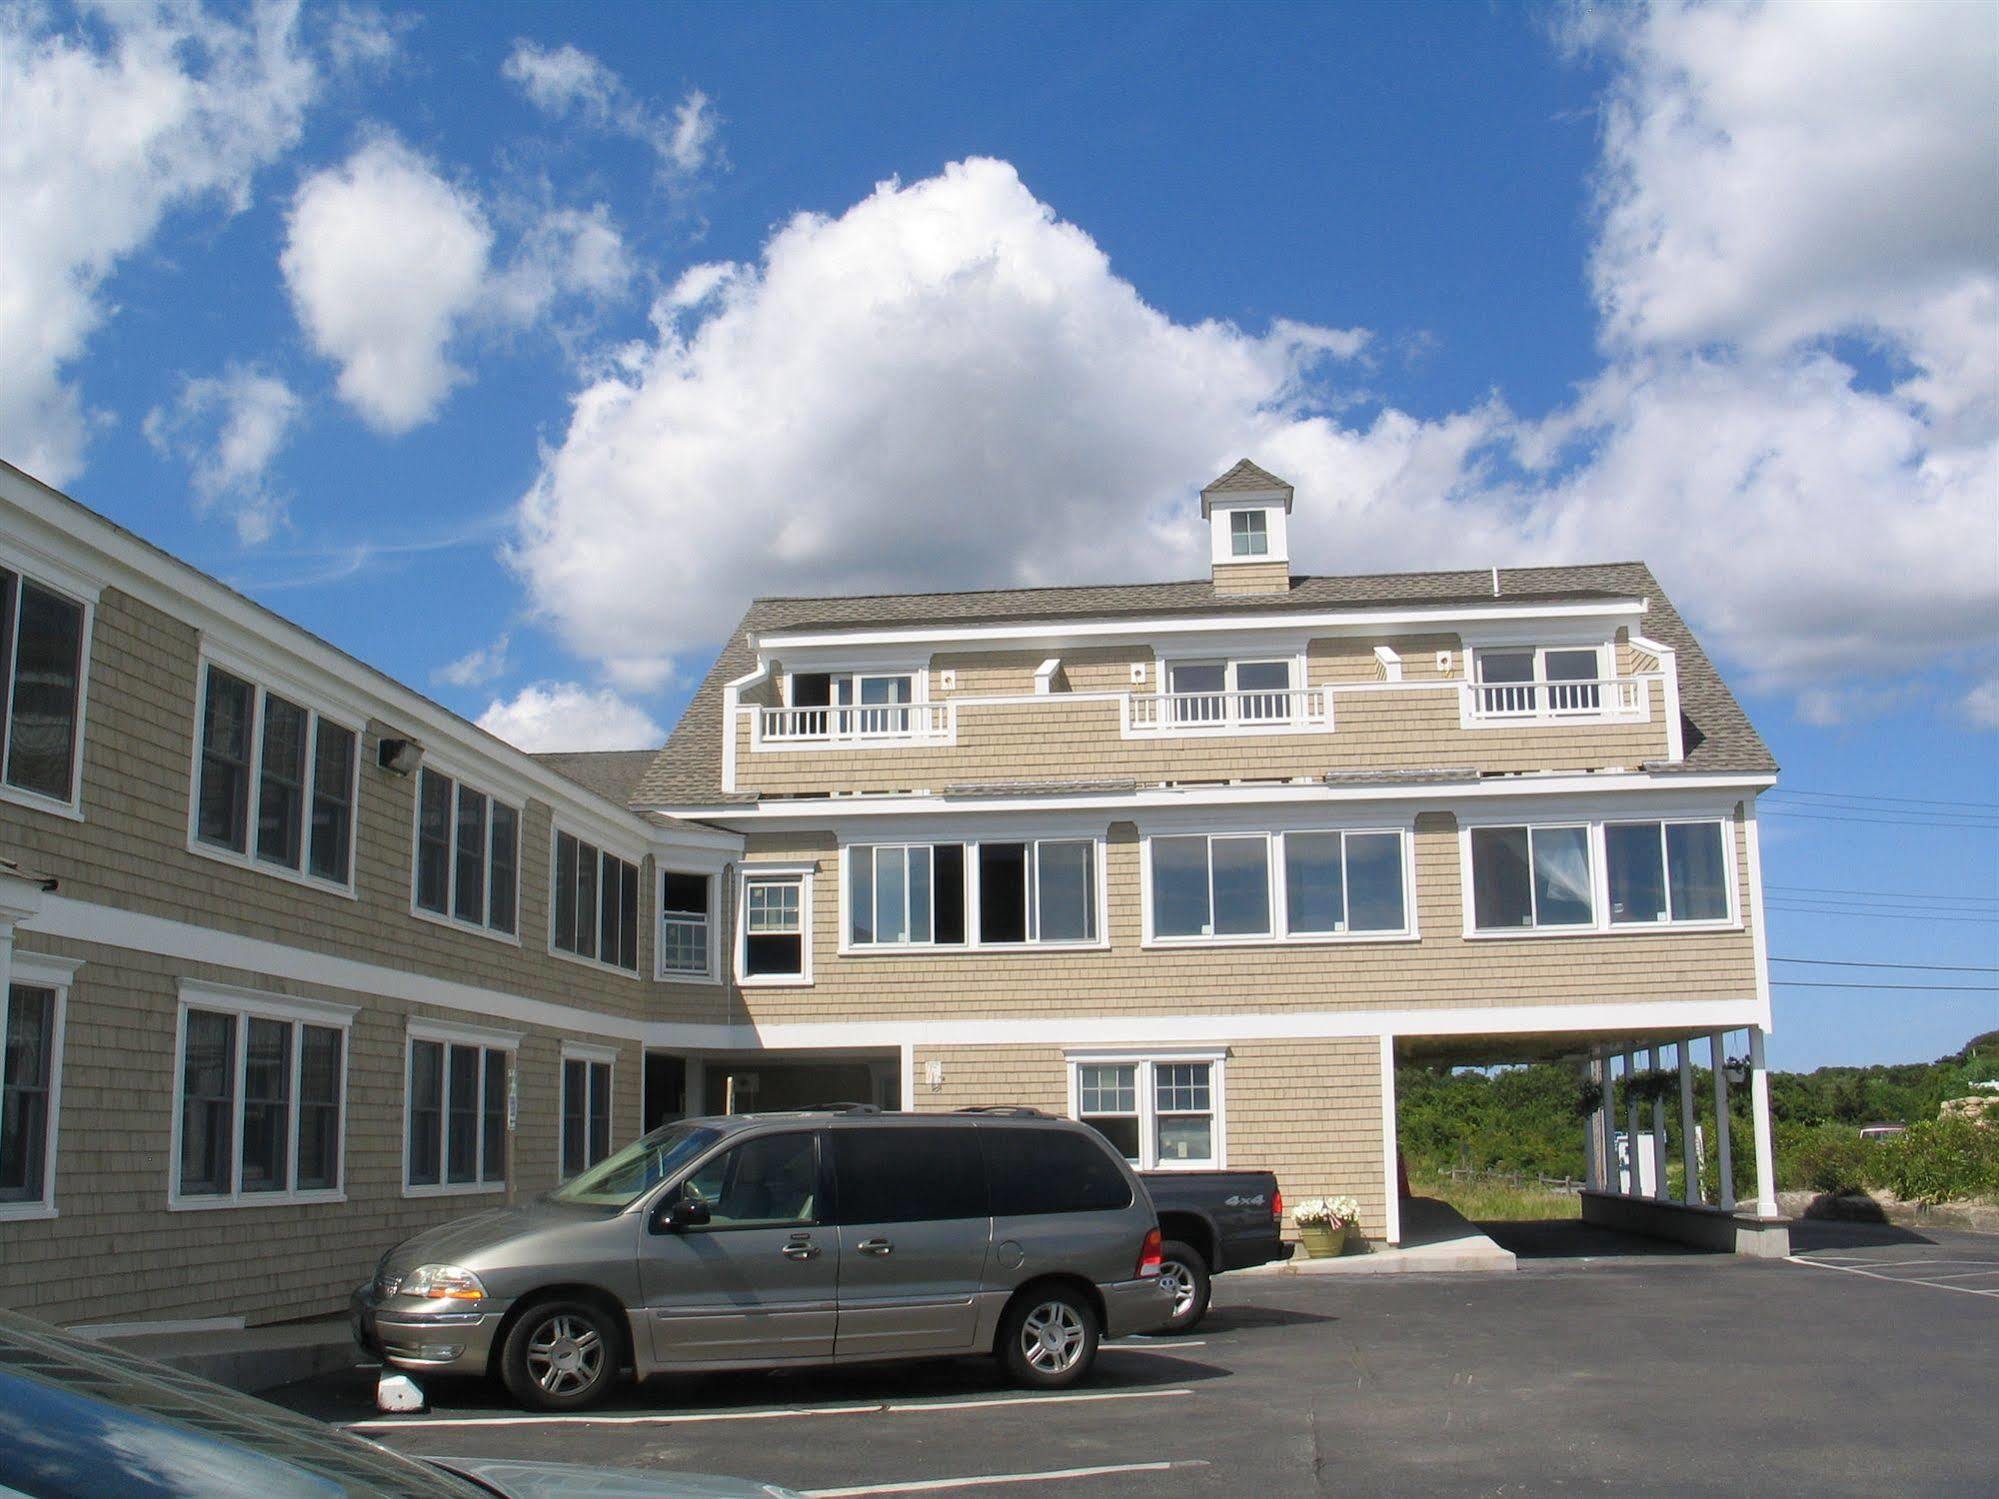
1325, 1224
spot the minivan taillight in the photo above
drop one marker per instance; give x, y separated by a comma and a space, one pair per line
1277, 1206
1151, 1256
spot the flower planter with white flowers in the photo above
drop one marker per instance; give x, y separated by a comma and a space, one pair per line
1326, 1225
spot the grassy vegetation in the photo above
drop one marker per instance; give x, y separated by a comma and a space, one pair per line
1498, 1201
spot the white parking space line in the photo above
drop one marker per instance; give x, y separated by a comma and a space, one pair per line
985, 1480
1988, 1271
886, 1407
1894, 1280
1173, 1347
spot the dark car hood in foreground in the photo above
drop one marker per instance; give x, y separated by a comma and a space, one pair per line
523, 1480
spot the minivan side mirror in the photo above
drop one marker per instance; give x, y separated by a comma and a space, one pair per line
679, 1216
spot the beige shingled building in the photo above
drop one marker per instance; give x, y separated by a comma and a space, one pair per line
296, 962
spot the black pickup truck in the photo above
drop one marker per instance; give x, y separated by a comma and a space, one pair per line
1213, 1221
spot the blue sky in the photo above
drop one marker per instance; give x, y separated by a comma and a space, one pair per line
514, 347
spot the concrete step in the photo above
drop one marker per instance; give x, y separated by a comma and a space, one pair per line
249, 1358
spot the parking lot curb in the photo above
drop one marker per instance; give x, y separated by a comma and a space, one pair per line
253, 1358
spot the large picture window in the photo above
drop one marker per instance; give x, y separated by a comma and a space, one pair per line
1532, 877
1211, 886
455, 1113
468, 853
41, 687
276, 782
1666, 872
261, 1112
595, 905
31, 1016
1007, 893
1305, 885
1343, 882
1159, 1113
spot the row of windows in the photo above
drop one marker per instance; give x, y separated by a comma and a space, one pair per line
1307, 885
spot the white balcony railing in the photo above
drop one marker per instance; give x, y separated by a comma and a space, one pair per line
1606, 699
1227, 712
891, 723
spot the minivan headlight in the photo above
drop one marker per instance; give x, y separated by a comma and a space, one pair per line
443, 1283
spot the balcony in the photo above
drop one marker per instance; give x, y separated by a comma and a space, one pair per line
1253, 712
887, 724
1593, 700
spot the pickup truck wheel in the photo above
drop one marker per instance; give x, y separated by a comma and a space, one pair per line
561, 1356
1182, 1268
1048, 1338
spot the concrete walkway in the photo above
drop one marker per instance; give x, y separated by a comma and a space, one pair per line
1436, 1240
251, 1358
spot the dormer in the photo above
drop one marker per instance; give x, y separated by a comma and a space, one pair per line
1247, 511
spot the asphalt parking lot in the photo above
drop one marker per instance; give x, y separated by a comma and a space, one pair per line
1866, 1362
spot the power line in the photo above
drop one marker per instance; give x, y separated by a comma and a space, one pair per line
1815, 815
1878, 915
1864, 796
1897, 895
1926, 967
1930, 988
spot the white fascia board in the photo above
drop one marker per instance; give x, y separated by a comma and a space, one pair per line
89, 546
1443, 795
1055, 631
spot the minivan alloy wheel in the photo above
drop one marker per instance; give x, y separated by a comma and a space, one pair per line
564, 1355
1052, 1337
1180, 1281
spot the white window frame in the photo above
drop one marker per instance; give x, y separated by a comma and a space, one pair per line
78, 590
262, 684
449, 1034
1307, 709
1147, 1061
449, 916
1100, 903
709, 973
592, 1057
247, 1005
1601, 926
1669, 923
749, 874
1280, 933
556, 832
1259, 531
37, 971
1609, 707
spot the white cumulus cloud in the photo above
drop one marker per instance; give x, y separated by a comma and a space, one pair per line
567, 81
391, 265
947, 385
229, 428
110, 128
476, 667
570, 716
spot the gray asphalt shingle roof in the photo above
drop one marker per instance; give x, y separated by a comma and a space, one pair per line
1719, 737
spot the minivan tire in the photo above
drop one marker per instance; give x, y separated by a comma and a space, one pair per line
1183, 1265
1048, 1337
562, 1355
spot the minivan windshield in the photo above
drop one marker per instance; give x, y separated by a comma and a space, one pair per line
618, 1180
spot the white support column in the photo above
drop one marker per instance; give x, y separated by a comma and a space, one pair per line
1606, 1123
1724, 1152
1631, 1129
1391, 1146
1690, 1157
1759, 1116
1658, 1131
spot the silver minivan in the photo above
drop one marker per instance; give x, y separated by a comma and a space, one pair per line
823, 1236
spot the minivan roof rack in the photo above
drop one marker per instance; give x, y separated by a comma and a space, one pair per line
839, 1108
1006, 1111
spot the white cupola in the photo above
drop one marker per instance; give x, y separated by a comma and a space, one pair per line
1247, 510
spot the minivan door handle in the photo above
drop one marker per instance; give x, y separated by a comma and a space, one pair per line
797, 1250
876, 1247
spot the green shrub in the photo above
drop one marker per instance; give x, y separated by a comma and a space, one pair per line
1941, 1160
1830, 1158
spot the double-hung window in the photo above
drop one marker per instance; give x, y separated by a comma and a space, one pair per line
261, 1111
468, 855
276, 781
776, 917
1211, 885
455, 1110
1666, 872
1532, 878
595, 905
41, 689
1538, 681
31, 1029
1161, 1113
685, 945
997, 894
586, 1108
